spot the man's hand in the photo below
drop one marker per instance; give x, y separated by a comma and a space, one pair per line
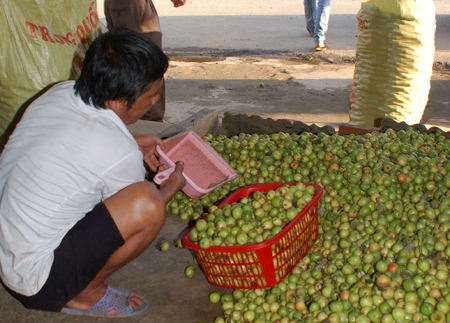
178, 3
174, 183
177, 179
147, 146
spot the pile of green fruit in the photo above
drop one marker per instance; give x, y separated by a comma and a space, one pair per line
253, 219
382, 254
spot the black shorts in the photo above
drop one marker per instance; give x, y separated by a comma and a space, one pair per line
83, 252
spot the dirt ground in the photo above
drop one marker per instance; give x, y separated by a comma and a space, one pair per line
313, 88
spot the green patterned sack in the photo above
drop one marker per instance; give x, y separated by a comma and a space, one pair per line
394, 60
43, 42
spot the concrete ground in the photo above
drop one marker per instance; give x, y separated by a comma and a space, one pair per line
244, 44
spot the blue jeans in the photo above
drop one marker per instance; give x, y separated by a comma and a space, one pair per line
317, 18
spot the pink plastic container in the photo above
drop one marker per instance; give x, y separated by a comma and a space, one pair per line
204, 169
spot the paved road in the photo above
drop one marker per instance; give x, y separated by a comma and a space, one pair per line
270, 25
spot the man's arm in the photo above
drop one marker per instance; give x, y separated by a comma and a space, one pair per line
147, 145
178, 3
174, 183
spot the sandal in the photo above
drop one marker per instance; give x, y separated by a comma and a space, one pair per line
114, 299
321, 48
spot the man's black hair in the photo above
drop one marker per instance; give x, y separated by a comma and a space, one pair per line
119, 65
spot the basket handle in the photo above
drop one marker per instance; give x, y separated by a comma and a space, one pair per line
164, 175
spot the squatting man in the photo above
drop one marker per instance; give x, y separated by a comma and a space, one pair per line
74, 206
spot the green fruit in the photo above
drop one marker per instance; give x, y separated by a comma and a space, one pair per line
214, 297
164, 246
437, 317
374, 316
189, 271
398, 314
426, 309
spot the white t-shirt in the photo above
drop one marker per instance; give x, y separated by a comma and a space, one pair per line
63, 158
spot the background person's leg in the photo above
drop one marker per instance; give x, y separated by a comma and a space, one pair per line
310, 14
156, 113
138, 15
321, 21
142, 17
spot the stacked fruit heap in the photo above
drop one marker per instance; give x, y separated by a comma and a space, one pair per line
382, 254
252, 220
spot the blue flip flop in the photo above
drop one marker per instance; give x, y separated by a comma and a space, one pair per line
114, 299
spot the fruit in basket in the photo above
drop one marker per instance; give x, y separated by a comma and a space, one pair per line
201, 225
205, 243
247, 222
242, 239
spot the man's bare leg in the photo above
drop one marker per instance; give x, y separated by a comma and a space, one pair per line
139, 213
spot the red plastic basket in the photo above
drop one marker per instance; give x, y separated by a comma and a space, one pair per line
264, 264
